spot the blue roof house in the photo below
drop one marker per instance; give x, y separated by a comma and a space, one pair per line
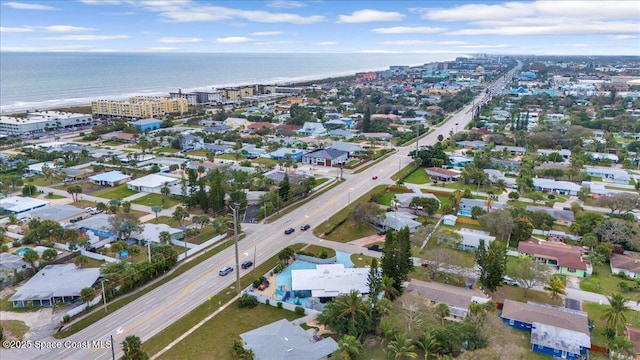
147, 124
287, 154
555, 331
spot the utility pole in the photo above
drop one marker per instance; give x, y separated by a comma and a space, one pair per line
113, 351
104, 296
149, 250
235, 237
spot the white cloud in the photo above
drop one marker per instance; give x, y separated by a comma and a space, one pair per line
101, 2
27, 6
266, 33
64, 48
326, 43
483, 46
234, 40
407, 42
67, 28
162, 49
376, 51
4, 29
285, 4
573, 45
86, 37
567, 28
368, 15
177, 40
409, 30
625, 37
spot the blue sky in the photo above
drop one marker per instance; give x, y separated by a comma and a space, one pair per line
516, 27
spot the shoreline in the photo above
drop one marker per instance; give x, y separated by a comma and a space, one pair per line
66, 103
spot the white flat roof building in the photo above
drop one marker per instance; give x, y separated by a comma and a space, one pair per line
18, 204
41, 121
152, 183
330, 280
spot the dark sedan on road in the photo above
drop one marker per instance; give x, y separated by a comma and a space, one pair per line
247, 264
289, 231
305, 227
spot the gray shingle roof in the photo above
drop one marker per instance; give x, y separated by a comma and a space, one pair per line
285, 341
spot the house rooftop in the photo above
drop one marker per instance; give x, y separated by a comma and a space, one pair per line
284, 341
629, 261
546, 314
564, 215
330, 280
153, 180
56, 281
151, 232
55, 212
442, 293
111, 176
566, 255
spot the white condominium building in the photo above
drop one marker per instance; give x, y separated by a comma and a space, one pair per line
36, 122
140, 107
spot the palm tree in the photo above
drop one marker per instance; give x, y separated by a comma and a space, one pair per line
555, 287
388, 288
164, 237
31, 257
442, 310
401, 347
352, 307
500, 186
87, 294
428, 343
387, 331
349, 347
615, 312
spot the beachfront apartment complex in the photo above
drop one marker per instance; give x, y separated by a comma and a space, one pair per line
140, 107
37, 122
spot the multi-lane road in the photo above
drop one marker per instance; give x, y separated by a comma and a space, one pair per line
166, 304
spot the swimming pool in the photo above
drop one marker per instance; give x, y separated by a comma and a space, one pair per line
283, 279
21, 251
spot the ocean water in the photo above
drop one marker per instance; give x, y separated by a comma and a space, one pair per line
30, 81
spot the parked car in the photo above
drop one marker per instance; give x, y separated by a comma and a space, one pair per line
305, 227
225, 270
247, 264
374, 178
289, 231
374, 247
509, 281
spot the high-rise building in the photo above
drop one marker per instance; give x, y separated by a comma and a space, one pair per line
140, 107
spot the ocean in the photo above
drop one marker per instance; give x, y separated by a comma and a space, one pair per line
38, 81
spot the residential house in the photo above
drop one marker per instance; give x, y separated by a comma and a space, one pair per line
152, 183
555, 331
164, 163
513, 150
459, 161
457, 298
466, 205
597, 156
397, 220
62, 214
351, 148
218, 149
261, 125
471, 239
496, 175
37, 167
313, 129
17, 205
217, 129
151, 233
237, 123
472, 145
627, 263
195, 165
76, 174
562, 217
284, 154
10, 265
633, 334
506, 163
404, 199
598, 189
190, 142
55, 283
618, 176
329, 281
254, 151
565, 153
146, 124
111, 178
565, 258
444, 175
126, 138
558, 187
376, 136
325, 157
286, 341
97, 224
340, 134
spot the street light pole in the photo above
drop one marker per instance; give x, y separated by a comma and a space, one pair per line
235, 237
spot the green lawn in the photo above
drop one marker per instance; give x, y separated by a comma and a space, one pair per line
459, 185
602, 281
466, 259
166, 220
206, 233
156, 200
317, 250
231, 156
85, 184
350, 231
321, 181
361, 261
198, 152
264, 161
596, 312
167, 149
54, 196
213, 340
386, 198
16, 328
419, 176
422, 273
41, 181
117, 192
83, 204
